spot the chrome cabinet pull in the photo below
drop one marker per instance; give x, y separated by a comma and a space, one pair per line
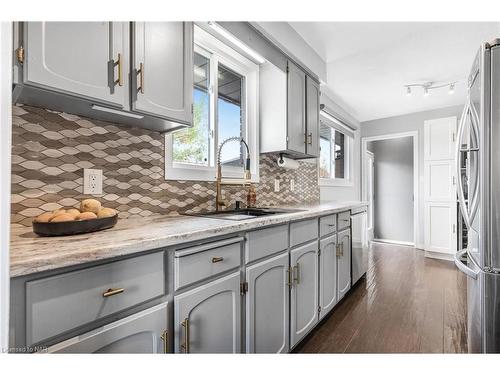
112, 291
140, 73
185, 325
118, 62
217, 259
164, 338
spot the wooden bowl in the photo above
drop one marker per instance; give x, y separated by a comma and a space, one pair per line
67, 228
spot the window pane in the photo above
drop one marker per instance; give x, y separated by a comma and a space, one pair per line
326, 151
229, 112
192, 146
339, 155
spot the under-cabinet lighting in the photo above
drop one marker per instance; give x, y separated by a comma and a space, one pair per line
230, 37
116, 111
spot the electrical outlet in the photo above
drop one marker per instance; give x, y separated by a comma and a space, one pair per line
276, 185
92, 181
292, 184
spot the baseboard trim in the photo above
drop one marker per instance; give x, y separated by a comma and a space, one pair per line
402, 243
441, 256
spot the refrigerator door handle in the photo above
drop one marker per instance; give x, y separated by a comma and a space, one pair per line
460, 190
475, 199
462, 266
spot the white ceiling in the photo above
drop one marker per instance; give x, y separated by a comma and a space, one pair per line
369, 62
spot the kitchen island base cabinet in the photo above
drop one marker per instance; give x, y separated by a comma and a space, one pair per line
267, 306
304, 292
328, 275
207, 319
144, 332
344, 263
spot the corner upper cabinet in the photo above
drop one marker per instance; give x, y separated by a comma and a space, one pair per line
289, 111
162, 73
88, 59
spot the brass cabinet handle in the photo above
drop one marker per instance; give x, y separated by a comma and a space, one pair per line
338, 250
118, 62
296, 277
112, 291
164, 337
289, 277
217, 259
185, 325
310, 139
342, 249
140, 72
331, 225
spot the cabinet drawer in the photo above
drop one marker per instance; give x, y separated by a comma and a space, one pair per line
63, 302
344, 220
327, 225
303, 231
264, 242
198, 263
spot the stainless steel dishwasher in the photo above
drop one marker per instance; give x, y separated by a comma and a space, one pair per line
359, 235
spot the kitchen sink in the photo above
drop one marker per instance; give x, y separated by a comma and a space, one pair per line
245, 214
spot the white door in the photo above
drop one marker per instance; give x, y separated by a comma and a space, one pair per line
267, 306
344, 263
163, 70
304, 292
207, 319
370, 191
440, 186
144, 332
327, 275
88, 59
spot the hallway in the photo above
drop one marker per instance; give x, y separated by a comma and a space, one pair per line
407, 304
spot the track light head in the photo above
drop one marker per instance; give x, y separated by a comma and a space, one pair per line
408, 91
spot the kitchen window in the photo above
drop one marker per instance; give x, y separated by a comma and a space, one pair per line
225, 97
335, 142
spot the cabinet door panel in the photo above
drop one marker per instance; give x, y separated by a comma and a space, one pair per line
296, 102
440, 227
439, 138
328, 275
78, 58
267, 306
304, 293
143, 332
344, 263
165, 50
312, 115
213, 313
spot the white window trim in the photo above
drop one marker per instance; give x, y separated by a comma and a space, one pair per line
208, 44
349, 144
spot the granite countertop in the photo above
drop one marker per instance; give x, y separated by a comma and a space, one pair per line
30, 253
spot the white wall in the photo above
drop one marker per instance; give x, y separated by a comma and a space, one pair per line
393, 213
5, 152
406, 123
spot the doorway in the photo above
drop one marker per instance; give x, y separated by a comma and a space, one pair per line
390, 186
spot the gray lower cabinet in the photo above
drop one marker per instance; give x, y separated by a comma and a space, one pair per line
304, 292
162, 74
207, 319
344, 263
144, 332
328, 275
267, 306
87, 59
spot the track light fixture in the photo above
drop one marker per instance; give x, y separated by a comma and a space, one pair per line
428, 86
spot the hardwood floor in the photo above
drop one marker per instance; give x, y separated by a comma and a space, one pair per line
407, 304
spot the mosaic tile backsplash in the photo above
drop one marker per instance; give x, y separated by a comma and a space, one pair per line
50, 150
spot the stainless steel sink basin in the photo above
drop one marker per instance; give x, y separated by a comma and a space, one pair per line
245, 214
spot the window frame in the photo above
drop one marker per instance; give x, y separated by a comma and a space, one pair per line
218, 52
348, 154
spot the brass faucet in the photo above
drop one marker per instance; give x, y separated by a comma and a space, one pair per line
219, 200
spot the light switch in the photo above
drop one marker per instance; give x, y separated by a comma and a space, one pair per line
292, 184
276, 185
92, 181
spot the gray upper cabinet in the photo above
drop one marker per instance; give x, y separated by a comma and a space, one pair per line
304, 292
327, 275
144, 332
344, 263
267, 311
162, 74
312, 117
296, 125
207, 319
87, 59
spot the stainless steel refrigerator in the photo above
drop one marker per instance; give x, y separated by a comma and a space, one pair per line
478, 162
